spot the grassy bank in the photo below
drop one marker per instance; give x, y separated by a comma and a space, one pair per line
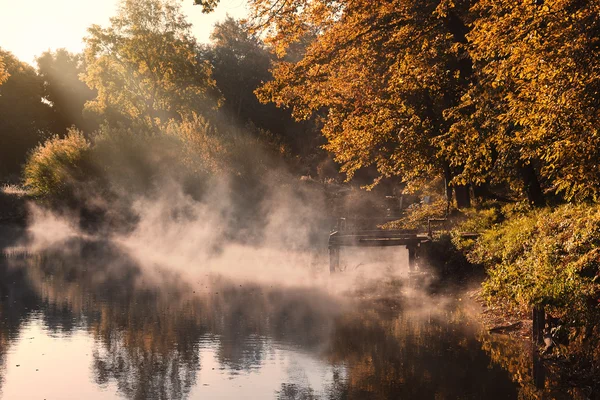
549, 257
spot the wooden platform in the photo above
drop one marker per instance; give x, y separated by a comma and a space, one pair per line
374, 238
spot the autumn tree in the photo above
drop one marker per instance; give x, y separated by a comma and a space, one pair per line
145, 66
3, 72
536, 100
24, 119
60, 72
385, 72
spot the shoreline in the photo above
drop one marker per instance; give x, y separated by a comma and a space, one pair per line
507, 338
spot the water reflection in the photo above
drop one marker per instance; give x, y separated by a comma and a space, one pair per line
168, 338
536, 379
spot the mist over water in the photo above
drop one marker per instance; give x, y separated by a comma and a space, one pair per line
222, 290
90, 307
278, 237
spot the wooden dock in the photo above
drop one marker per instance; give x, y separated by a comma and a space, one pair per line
375, 238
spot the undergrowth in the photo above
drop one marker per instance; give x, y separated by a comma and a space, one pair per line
549, 257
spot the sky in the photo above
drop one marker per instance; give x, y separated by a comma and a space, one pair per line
30, 27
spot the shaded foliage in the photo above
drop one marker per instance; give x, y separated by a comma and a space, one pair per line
60, 72
25, 117
544, 257
241, 64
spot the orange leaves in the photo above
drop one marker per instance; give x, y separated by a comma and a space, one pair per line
484, 86
3, 72
536, 68
378, 68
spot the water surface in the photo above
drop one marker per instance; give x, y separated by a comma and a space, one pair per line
84, 325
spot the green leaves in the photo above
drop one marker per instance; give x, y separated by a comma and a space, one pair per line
54, 167
145, 66
544, 257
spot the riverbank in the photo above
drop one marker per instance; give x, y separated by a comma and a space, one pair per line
548, 257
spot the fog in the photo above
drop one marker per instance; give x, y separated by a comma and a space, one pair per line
269, 228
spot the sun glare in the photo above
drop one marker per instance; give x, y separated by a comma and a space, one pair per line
29, 28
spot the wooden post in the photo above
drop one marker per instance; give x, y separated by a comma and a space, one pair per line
538, 371
539, 322
334, 259
412, 252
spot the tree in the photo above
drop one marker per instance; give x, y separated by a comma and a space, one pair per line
534, 109
60, 72
3, 72
207, 5
24, 119
241, 64
385, 72
145, 66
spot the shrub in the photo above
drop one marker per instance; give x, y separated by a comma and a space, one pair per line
53, 168
548, 256
133, 162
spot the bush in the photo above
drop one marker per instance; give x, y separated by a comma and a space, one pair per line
134, 162
54, 167
547, 256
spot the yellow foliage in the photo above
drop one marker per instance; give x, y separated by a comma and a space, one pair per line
3, 72
55, 165
536, 95
145, 65
379, 69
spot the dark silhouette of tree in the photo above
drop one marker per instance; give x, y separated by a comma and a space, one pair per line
60, 72
241, 64
207, 5
24, 120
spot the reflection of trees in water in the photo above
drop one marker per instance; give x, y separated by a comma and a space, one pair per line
292, 391
148, 335
413, 355
516, 357
17, 301
143, 372
149, 349
336, 390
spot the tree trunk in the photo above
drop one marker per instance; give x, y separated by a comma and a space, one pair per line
532, 187
481, 191
447, 179
463, 196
